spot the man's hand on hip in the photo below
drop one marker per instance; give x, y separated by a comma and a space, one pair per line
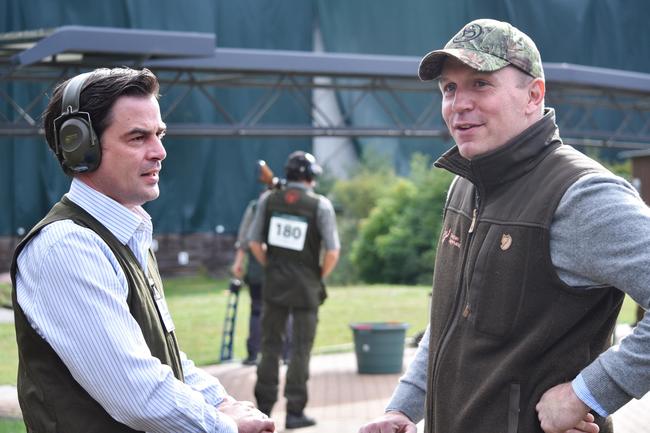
561, 411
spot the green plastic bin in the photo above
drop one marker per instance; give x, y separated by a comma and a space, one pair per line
379, 346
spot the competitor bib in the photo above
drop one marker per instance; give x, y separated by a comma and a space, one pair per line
287, 231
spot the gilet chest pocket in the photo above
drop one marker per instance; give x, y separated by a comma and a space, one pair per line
497, 272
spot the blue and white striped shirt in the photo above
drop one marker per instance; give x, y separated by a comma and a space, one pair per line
73, 292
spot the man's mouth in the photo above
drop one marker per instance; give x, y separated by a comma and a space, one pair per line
151, 173
466, 126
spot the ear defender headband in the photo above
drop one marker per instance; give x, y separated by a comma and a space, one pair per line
76, 144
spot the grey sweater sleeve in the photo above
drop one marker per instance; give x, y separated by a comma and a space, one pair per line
409, 395
601, 236
242, 233
327, 225
256, 227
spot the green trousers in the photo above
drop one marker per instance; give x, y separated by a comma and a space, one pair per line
274, 318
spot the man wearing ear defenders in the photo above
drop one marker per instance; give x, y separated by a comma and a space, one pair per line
289, 228
96, 342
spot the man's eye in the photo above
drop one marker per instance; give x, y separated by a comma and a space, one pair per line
481, 83
450, 87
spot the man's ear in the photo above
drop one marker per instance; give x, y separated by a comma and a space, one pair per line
536, 93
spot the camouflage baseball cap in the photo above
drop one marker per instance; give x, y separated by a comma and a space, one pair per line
486, 45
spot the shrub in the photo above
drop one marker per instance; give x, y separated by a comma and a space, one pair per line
354, 199
397, 242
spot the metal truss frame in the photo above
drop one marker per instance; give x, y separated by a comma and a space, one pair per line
596, 106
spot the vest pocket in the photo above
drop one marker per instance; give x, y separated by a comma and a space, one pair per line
513, 408
498, 272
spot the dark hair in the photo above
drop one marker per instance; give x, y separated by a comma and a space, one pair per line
98, 95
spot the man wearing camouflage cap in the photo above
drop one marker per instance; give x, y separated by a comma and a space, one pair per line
539, 244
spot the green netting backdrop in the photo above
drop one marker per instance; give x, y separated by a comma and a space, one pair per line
206, 183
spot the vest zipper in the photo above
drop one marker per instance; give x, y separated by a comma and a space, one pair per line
467, 310
473, 225
460, 308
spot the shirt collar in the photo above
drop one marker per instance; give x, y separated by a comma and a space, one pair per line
299, 185
119, 220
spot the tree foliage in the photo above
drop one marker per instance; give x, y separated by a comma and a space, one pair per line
354, 199
397, 241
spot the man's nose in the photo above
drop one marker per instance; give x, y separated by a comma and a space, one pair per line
462, 101
157, 150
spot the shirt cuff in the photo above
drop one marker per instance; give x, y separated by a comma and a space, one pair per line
409, 400
580, 388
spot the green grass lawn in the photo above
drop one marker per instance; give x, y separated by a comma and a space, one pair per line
12, 426
198, 306
9, 360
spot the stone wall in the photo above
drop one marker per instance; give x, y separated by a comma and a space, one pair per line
177, 254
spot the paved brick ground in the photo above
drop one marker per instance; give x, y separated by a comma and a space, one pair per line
9, 402
340, 399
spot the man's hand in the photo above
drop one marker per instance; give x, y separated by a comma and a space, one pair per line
390, 422
237, 267
247, 417
561, 411
237, 270
259, 251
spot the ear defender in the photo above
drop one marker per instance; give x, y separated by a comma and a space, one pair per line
303, 165
76, 144
312, 168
